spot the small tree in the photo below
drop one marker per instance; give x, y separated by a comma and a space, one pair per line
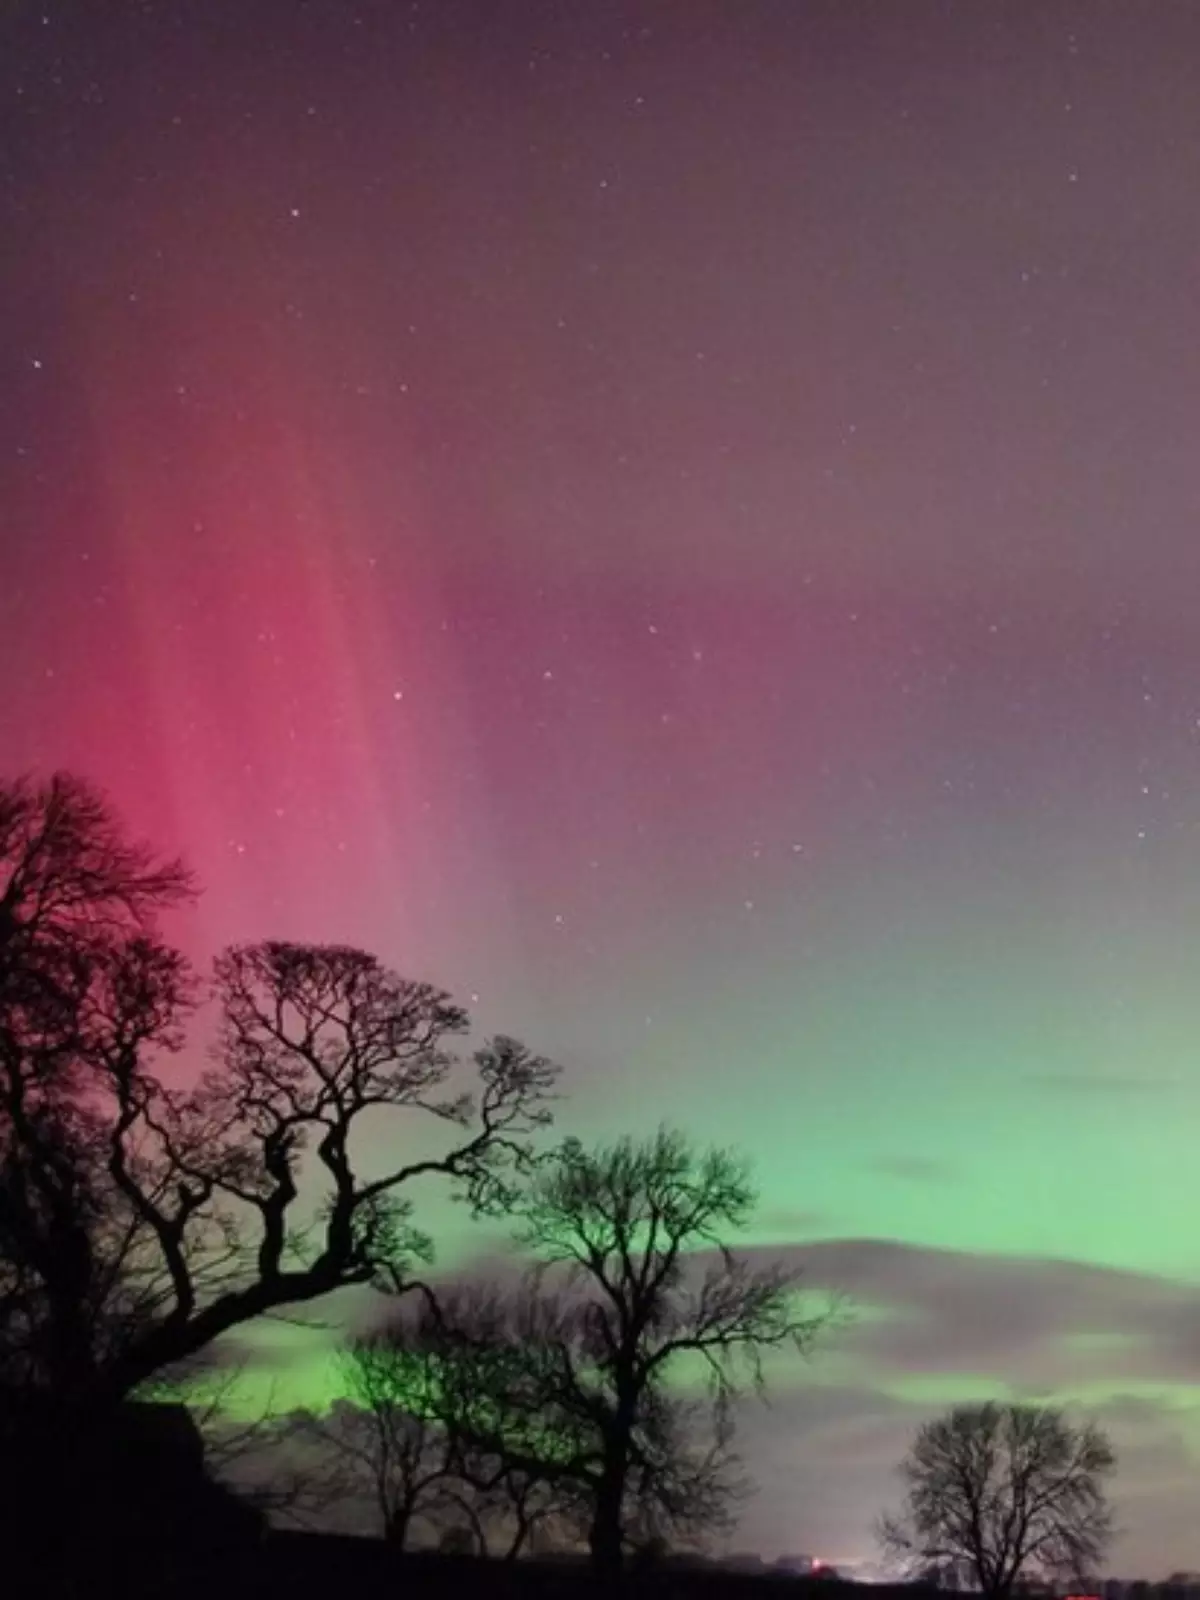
1002, 1494
389, 1437
447, 1378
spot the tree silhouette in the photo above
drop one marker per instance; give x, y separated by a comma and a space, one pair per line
1004, 1493
139, 1221
625, 1220
435, 1388
579, 1385
387, 1440
86, 988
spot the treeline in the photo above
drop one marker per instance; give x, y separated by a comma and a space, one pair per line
140, 1221
589, 1403
495, 1420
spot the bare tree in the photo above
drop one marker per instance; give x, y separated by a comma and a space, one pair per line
389, 1439
1004, 1493
430, 1388
84, 981
138, 1221
624, 1221
580, 1387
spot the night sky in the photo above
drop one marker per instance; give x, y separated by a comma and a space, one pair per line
679, 522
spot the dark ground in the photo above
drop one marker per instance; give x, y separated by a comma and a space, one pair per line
300, 1566
96, 1505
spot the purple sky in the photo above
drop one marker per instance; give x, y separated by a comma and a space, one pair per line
678, 522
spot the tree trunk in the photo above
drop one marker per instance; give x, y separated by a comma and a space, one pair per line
395, 1530
605, 1538
520, 1535
477, 1530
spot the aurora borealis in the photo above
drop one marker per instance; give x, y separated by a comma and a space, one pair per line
677, 521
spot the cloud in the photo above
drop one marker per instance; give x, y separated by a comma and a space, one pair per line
1022, 1321
940, 1327
934, 1327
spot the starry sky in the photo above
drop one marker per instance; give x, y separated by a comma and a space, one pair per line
677, 521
